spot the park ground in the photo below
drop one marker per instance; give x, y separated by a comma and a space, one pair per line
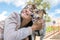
51, 34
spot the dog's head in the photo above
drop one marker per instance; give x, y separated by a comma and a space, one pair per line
37, 14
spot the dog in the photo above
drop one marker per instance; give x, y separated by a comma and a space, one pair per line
38, 15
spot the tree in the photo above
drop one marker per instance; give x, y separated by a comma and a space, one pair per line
40, 3
47, 18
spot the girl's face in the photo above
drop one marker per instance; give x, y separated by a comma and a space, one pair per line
26, 14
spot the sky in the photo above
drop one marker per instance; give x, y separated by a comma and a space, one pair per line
9, 6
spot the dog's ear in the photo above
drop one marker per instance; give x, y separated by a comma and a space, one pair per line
43, 11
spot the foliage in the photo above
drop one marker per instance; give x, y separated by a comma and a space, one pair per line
40, 3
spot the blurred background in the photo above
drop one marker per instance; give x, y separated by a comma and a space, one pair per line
52, 8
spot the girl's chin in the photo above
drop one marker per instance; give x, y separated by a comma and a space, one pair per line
26, 18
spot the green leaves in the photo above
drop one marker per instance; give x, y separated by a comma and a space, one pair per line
47, 18
44, 5
30, 2
40, 3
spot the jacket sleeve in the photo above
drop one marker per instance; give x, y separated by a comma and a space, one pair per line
9, 30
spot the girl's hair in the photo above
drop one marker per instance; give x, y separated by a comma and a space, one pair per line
33, 7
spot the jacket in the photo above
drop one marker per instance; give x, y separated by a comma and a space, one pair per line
11, 23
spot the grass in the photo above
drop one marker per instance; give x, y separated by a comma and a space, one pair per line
51, 28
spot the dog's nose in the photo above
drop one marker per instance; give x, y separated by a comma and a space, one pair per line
38, 17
